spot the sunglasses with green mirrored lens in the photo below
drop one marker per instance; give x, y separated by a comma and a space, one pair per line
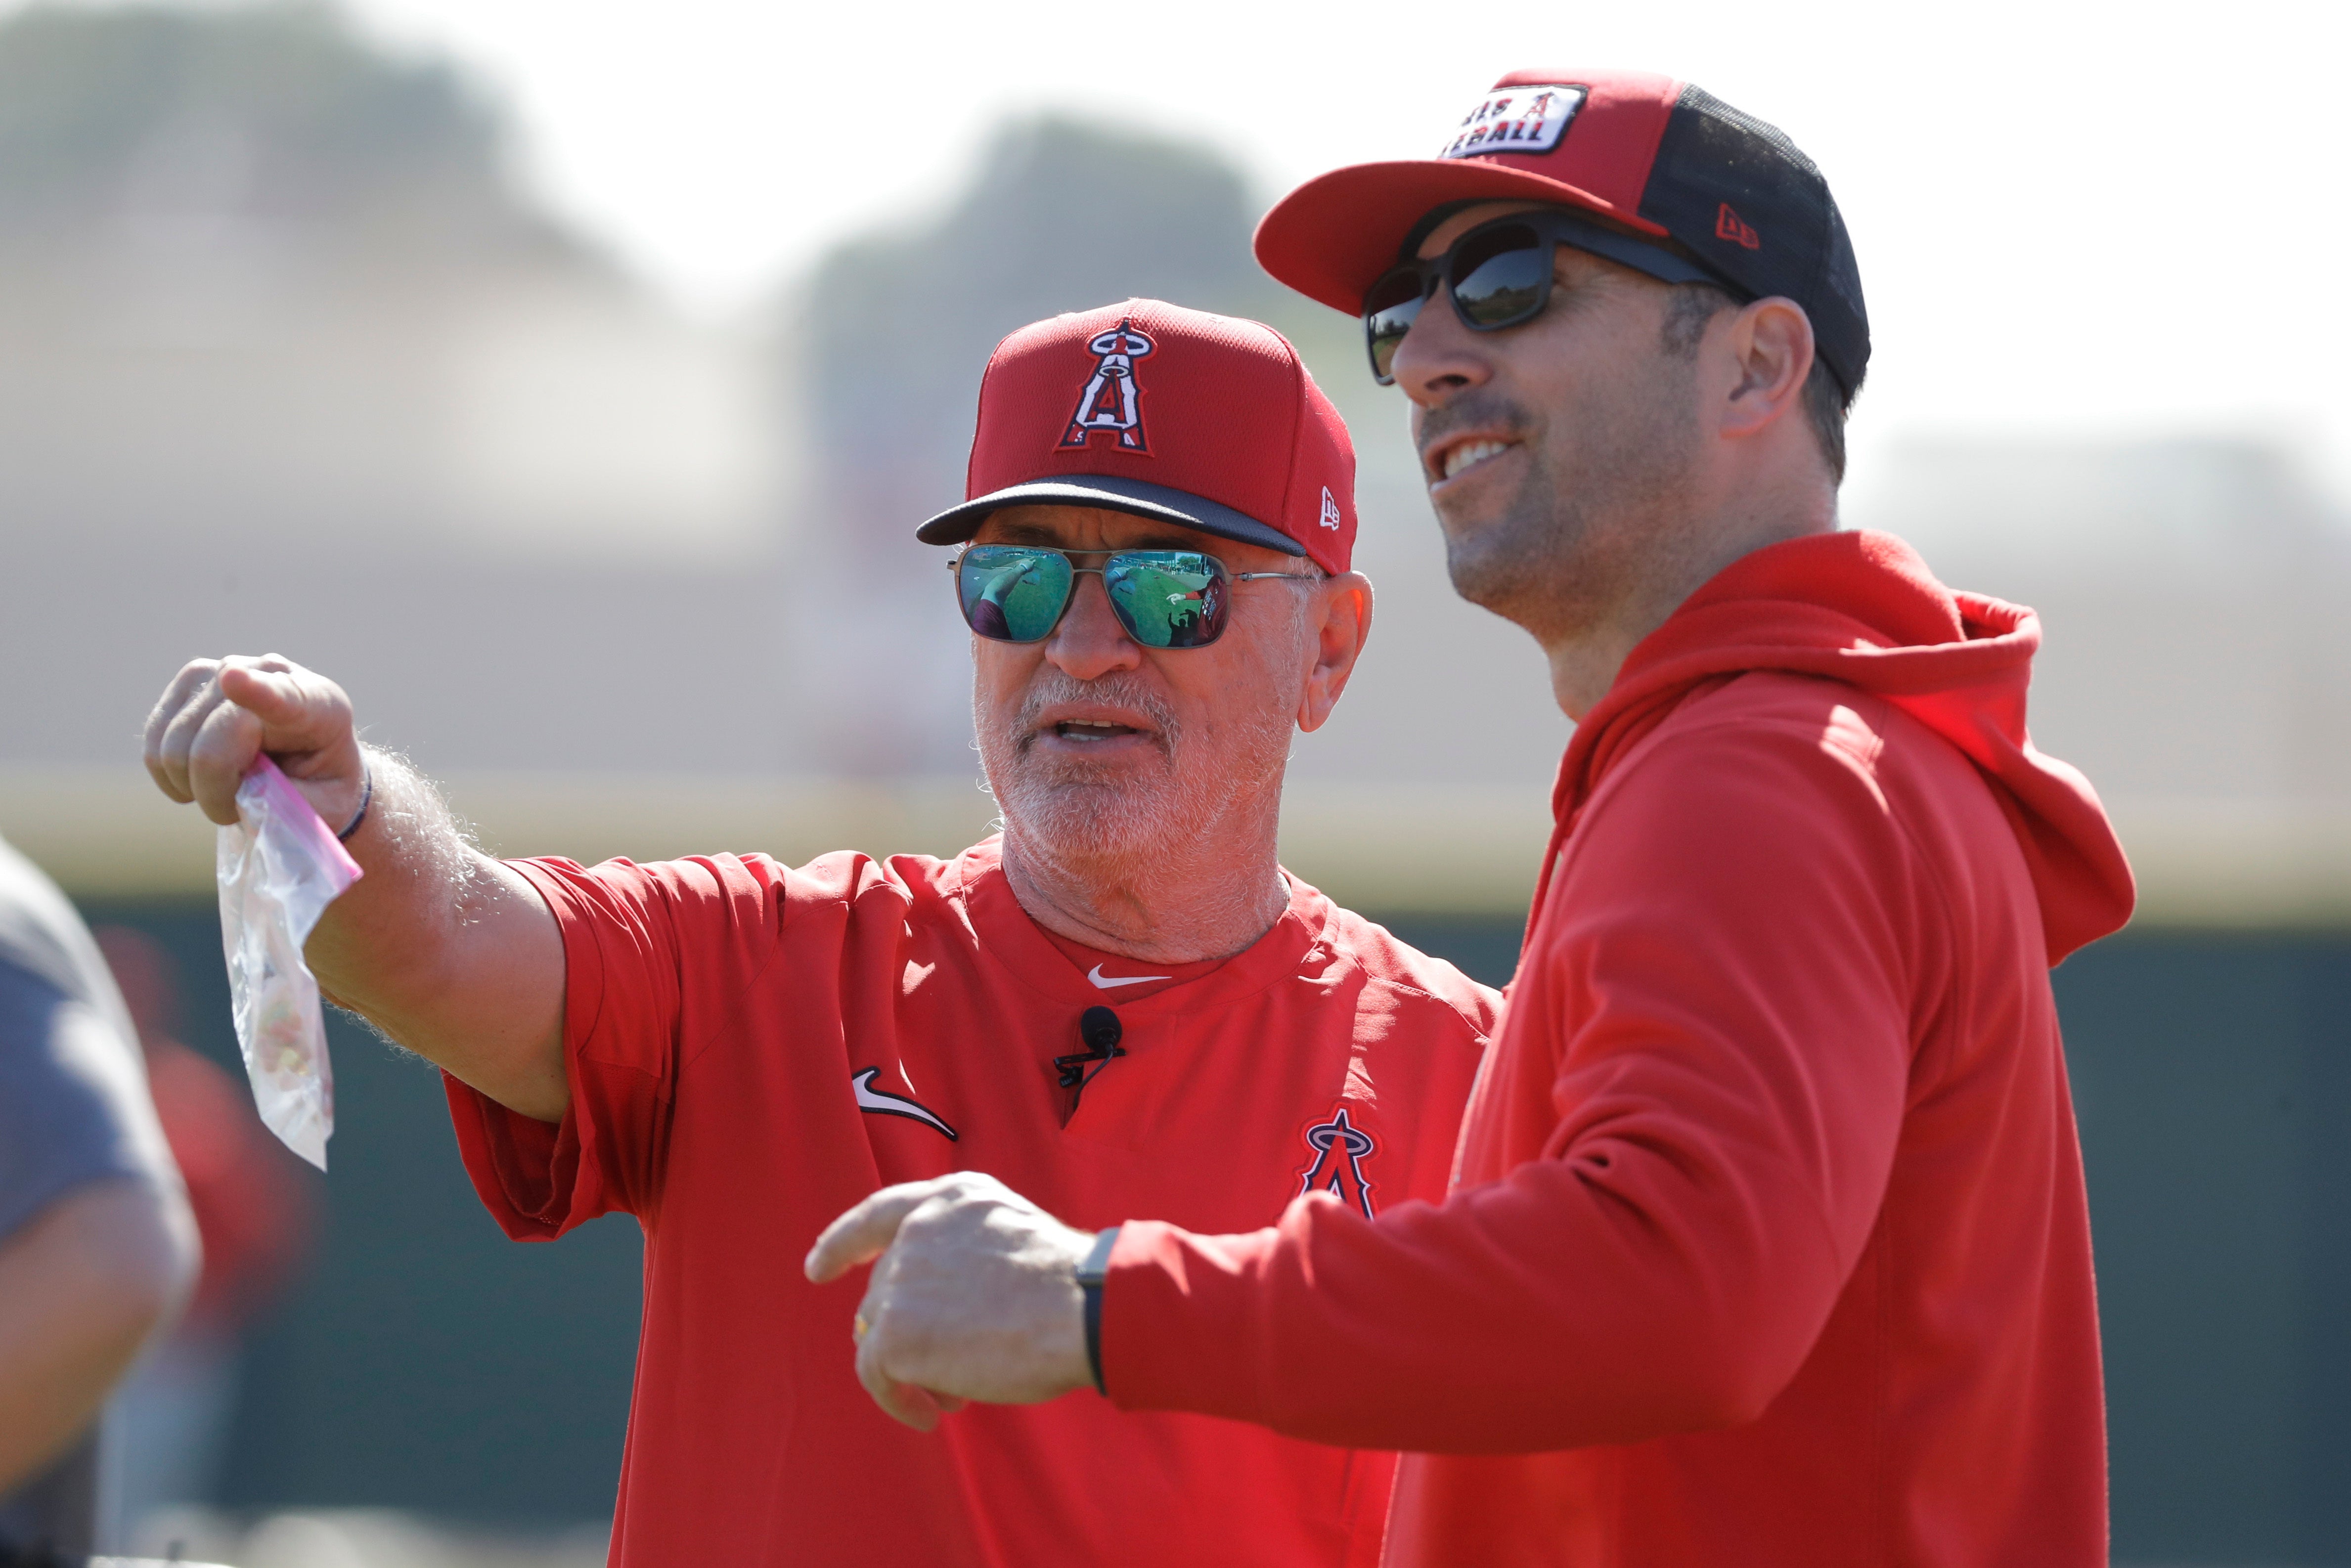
1164, 598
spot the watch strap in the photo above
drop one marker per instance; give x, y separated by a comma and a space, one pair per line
1091, 1273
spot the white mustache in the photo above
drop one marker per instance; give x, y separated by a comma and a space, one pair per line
1052, 688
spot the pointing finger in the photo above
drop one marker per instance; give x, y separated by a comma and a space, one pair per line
864, 1232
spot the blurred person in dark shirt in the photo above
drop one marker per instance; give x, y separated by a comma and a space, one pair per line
97, 1245
256, 1209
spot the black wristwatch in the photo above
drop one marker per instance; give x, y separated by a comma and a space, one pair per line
1090, 1274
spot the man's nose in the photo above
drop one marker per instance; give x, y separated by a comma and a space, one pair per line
1439, 357
1090, 644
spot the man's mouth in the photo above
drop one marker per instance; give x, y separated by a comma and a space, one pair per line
1111, 723
1468, 454
1089, 730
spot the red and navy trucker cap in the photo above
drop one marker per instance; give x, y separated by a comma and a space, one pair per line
1151, 409
1662, 157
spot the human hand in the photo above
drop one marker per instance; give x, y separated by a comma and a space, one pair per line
218, 715
975, 1296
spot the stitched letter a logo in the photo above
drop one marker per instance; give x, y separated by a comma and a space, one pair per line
1340, 1149
1112, 399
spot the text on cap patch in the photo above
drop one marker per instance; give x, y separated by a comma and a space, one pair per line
1516, 119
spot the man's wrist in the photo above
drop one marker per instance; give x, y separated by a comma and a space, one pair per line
1091, 1273
367, 798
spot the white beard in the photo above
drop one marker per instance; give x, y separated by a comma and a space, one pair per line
1068, 811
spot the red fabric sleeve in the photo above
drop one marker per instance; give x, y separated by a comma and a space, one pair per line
623, 1004
1687, 1129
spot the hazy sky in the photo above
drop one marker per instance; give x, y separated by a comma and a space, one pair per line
2087, 218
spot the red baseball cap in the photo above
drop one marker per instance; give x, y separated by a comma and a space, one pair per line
1149, 409
1663, 158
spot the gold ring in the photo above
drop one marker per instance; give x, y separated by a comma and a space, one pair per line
857, 1326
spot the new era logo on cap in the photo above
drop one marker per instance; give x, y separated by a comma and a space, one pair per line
1516, 119
1207, 422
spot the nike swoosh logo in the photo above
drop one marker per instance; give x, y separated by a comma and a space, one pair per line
871, 1099
1106, 982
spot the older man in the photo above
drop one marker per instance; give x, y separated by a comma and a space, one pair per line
1123, 1003
1770, 1244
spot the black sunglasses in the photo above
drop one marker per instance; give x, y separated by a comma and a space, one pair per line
1499, 275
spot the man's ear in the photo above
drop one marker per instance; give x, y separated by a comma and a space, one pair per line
1341, 616
1771, 346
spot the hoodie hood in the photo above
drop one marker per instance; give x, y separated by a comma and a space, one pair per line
1862, 608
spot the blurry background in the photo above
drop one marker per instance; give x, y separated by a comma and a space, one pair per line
565, 380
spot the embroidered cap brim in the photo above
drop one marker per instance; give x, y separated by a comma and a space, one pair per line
1113, 493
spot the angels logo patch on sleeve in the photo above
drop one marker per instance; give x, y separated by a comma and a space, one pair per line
1340, 1150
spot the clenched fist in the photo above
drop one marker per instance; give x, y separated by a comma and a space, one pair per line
448, 952
218, 715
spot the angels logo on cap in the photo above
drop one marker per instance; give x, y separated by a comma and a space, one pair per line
1113, 400
1241, 446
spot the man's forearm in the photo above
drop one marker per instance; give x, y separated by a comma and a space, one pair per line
82, 1286
379, 948
450, 953
1554, 1309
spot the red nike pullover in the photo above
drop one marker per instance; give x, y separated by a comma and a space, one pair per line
1767, 1243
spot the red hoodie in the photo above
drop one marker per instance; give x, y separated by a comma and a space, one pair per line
1767, 1243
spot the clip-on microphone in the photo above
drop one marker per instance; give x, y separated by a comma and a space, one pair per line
1100, 1029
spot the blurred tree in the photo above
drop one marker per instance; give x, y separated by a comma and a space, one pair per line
279, 117
894, 329
1060, 214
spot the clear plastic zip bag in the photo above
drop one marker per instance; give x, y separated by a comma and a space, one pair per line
279, 868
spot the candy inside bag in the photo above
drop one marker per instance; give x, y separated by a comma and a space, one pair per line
279, 868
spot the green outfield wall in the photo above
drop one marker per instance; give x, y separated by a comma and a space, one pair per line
426, 1363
